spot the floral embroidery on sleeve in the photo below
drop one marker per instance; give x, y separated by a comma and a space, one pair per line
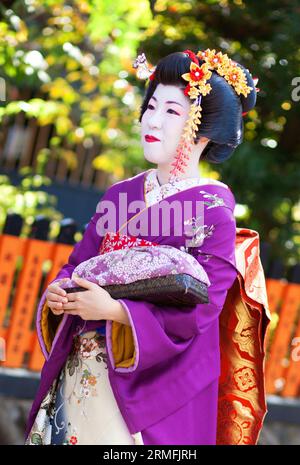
198, 231
213, 200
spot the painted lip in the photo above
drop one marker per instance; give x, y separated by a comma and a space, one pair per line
151, 138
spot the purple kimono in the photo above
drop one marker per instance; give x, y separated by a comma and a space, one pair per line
166, 382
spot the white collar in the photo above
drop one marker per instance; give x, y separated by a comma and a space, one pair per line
180, 184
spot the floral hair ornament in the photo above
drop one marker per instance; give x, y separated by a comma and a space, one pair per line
255, 80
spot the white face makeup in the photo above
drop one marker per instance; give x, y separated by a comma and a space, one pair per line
164, 118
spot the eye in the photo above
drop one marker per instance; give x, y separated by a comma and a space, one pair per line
151, 107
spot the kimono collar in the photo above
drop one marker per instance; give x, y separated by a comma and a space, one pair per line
155, 191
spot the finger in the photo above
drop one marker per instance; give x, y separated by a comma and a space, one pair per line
75, 296
57, 312
56, 298
82, 282
70, 306
72, 297
60, 284
55, 289
55, 305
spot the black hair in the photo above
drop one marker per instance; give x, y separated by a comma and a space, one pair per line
222, 108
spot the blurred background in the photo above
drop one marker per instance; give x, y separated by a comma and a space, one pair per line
69, 108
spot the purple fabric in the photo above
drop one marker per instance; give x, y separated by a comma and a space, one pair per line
178, 352
199, 414
125, 266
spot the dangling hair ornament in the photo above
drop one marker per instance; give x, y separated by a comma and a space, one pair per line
142, 67
195, 89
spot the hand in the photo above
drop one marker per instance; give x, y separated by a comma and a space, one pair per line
93, 304
55, 297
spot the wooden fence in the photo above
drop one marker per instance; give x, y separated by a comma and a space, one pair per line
22, 284
283, 345
21, 139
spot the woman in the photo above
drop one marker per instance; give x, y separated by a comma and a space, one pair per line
119, 371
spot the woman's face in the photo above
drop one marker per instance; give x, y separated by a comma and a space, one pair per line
164, 118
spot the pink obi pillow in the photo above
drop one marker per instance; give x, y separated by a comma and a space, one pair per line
129, 265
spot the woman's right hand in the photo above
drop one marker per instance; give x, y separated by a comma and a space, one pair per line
56, 296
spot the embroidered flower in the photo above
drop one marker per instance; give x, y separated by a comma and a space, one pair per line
198, 231
213, 200
245, 379
84, 392
203, 232
88, 348
92, 380
36, 439
73, 361
73, 440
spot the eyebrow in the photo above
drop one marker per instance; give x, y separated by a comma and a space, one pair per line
168, 101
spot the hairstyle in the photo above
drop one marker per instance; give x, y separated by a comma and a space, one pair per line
222, 108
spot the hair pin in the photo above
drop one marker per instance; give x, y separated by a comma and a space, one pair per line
142, 67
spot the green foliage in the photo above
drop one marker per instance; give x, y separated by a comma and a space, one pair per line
28, 199
77, 56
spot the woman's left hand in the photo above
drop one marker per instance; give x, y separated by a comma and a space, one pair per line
93, 304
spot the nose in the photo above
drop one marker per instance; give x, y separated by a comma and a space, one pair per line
155, 120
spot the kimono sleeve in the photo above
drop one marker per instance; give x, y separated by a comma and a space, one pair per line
47, 323
157, 333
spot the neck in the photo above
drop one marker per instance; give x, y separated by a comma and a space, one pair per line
162, 172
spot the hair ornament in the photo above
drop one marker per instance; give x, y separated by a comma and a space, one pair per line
226, 68
142, 67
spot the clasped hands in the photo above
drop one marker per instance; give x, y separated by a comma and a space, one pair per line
93, 304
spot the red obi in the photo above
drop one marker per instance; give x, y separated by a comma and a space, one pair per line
115, 241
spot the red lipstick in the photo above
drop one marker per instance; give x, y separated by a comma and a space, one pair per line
149, 138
